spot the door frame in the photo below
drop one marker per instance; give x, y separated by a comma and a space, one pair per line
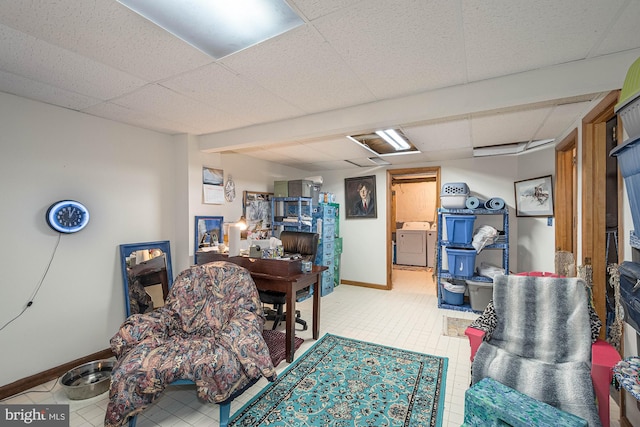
566, 189
594, 198
391, 173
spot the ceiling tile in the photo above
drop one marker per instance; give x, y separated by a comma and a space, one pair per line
164, 103
42, 92
317, 82
339, 148
265, 154
107, 32
507, 127
312, 9
623, 33
440, 136
139, 118
399, 47
404, 159
332, 165
37, 60
462, 153
509, 36
218, 87
562, 119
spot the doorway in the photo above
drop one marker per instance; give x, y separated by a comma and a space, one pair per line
418, 209
597, 129
567, 190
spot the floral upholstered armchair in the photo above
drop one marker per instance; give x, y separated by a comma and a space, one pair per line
209, 332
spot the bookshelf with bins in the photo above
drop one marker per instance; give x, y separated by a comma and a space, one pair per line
443, 243
291, 213
300, 214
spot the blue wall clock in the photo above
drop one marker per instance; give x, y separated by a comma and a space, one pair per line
67, 216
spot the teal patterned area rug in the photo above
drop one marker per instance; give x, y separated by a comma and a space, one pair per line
345, 382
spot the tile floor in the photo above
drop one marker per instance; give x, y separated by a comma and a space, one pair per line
406, 317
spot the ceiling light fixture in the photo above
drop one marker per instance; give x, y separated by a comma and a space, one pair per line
390, 142
394, 139
219, 28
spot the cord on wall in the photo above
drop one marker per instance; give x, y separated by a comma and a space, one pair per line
35, 292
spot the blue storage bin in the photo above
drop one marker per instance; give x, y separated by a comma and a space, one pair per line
462, 262
460, 228
629, 276
453, 294
628, 155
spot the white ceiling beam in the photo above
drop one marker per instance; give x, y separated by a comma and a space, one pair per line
603, 73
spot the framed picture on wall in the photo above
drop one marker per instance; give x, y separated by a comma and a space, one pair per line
212, 188
208, 232
534, 197
256, 208
360, 197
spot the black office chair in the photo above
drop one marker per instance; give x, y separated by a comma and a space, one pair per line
305, 245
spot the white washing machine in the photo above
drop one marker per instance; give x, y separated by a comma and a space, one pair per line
412, 243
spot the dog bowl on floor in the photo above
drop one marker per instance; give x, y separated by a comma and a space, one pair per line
88, 380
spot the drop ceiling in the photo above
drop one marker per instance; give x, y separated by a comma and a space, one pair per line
451, 75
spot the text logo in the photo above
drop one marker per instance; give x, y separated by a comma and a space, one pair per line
54, 415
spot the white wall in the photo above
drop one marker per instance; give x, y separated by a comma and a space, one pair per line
139, 186
536, 239
124, 175
364, 253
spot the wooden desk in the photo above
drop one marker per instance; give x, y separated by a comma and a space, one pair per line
287, 283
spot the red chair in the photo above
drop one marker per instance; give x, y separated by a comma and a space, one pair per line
603, 358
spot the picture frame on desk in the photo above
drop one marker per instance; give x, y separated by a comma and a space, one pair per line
208, 232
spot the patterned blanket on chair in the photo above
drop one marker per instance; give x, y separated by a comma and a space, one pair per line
541, 345
209, 331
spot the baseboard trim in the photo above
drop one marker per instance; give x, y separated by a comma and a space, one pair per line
50, 374
363, 284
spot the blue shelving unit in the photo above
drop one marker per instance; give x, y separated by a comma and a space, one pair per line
297, 209
443, 243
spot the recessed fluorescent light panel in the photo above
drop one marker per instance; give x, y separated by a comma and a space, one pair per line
385, 142
219, 28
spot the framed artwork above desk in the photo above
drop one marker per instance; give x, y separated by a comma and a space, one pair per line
256, 207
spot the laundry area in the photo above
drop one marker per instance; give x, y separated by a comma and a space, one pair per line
415, 244
414, 233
